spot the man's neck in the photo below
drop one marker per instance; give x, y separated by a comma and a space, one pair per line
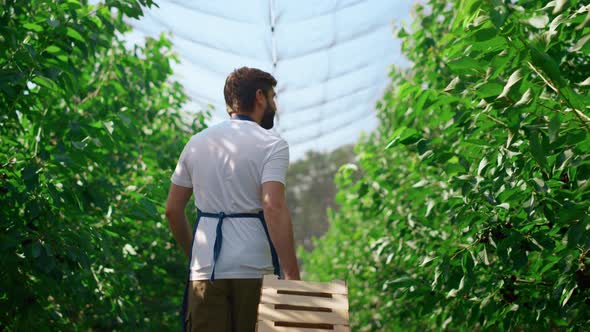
251, 115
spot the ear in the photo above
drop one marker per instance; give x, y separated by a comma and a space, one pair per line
260, 96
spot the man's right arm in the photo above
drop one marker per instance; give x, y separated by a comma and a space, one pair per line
280, 228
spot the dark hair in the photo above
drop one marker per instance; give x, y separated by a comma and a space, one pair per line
241, 86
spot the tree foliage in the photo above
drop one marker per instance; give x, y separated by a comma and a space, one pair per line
90, 131
311, 191
473, 212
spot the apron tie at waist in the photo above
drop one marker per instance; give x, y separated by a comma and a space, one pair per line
219, 236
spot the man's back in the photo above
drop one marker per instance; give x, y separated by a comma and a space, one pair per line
226, 165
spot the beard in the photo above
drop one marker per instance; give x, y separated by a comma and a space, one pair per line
268, 118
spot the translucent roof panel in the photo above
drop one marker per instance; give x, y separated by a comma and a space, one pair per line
331, 58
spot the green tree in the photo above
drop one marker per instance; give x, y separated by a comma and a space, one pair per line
90, 132
311, 191
474, 209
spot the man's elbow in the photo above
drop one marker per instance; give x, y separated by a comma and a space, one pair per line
274, 208
173, 212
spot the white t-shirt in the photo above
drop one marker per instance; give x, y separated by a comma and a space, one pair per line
226, 165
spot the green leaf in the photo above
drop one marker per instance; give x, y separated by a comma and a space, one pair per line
498, 15
453, 168
401, 33
581, 42
71, 4
537, 149
525, 99
513, 79
554, 128
33, 26
452, 84
467, 263
482, 164
567, 294
452, 293
557, 21
149, 207
53, 49
403, 135
46, 82
548, 65
489, 89
426, 260
576, 100
465, 64
552, 260
75, 34
573, 212
485, 34
410, 136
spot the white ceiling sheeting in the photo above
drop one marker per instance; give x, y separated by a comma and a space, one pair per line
330, 58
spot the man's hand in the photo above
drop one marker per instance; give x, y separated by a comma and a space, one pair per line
280, 229
177, 198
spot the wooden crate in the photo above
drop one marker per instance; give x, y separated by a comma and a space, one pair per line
302, 306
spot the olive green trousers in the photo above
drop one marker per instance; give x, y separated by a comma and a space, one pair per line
226, 305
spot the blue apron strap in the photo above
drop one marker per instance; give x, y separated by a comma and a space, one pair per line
273, 252
217, 245
185, 297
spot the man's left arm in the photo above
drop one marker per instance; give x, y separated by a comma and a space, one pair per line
178, 197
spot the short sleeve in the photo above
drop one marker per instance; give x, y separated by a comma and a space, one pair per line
275, 167
182, 174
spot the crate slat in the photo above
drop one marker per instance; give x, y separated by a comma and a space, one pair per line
271, 281
271, 296
268, 312
268, 326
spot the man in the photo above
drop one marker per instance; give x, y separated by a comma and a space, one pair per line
237, 171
